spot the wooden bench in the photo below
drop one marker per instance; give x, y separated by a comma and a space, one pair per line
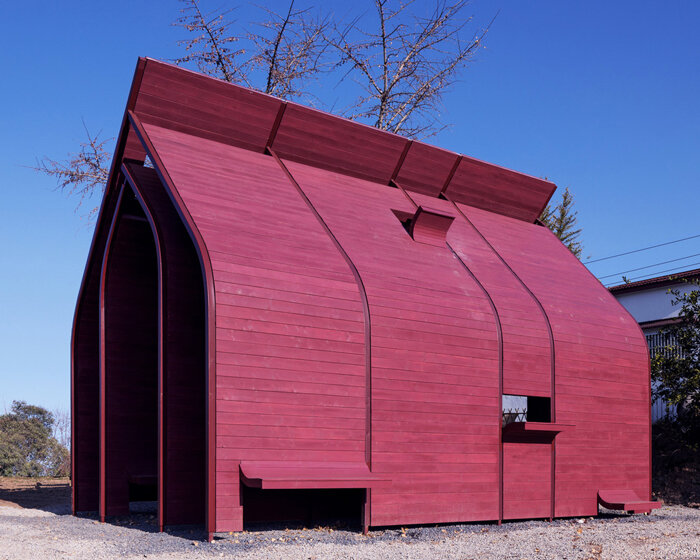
288, 475
626, 500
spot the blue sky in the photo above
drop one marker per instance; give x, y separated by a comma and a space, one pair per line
598, 96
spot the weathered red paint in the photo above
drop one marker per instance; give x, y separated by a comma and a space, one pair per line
366, 301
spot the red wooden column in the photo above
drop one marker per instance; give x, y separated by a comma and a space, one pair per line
102, 506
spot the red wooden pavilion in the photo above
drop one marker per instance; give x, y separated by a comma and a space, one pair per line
282, 308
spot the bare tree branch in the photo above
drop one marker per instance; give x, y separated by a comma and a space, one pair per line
210, 49
403, 65
290, 51
407, 64
272, 67
82, 173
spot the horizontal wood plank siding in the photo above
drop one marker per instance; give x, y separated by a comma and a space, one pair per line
328, 334
526, 345
131, 359
277, 374
184, 375
600, 354
411, 393
527, 469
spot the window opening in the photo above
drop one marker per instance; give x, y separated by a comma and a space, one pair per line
525, 408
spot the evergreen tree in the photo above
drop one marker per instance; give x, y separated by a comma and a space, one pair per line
562, 220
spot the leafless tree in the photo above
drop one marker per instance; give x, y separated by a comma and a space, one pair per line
84, 172
62, 434
283, 57
62, 427
212, 44
405, 63
403, 66
290, 51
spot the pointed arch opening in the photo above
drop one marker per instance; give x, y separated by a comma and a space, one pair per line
152, 366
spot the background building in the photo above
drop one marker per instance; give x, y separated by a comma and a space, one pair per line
650, 303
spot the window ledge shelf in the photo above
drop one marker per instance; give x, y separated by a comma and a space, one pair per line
534, 428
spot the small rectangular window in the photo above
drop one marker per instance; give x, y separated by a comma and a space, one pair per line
524, 408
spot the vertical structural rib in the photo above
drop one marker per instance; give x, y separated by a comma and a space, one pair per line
368, 323
161, 423
499, 331
103, 364
210, 321
551, 342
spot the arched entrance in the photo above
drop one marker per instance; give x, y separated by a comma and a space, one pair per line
153, 372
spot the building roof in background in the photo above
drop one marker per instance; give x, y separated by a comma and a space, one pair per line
657, 282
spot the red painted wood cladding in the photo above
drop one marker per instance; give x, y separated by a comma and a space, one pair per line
527, 469
430, 226
295, 336
602, 375
85, 378
182, 363
499, 190
426, 169
283, 290
131, 357
174, 98
434, 359
316, 138
189, 102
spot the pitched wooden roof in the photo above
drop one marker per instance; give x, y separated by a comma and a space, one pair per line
170, 97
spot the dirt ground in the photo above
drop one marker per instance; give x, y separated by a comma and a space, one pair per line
50, 494
35, 524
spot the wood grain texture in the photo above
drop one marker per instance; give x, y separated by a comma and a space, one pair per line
490, 187
183, 362
316, 138
600, 355
324, 275
328, 335
426, 169
131, 357
389, 261
85, 363
430, 226
171, 97
527, 471
85, 339
189, 102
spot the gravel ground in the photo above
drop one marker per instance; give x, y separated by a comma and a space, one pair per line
670, 532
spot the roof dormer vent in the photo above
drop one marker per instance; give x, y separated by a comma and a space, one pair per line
429, 226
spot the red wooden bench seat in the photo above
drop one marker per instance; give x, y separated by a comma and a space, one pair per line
626, 500
296, 475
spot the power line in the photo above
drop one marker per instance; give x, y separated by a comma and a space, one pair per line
643, 249
658, 273
648, 266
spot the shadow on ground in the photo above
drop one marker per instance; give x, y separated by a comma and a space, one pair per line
47, 494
